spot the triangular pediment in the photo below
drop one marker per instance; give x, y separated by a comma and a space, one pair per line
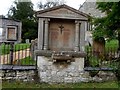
62, 11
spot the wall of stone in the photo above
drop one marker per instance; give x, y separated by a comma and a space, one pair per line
90, 8
5, 22
18, 75
57, 76
58, 72
62, 72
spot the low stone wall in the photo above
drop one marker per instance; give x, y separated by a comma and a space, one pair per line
18, 75
102, 76
62, 72
57, 72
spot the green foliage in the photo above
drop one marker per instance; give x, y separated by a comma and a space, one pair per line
24, 12
111, 44
108, 26
50, 3
94, 61
105, 7
21, 46
27, 61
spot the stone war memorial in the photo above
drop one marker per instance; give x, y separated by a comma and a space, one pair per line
61, 40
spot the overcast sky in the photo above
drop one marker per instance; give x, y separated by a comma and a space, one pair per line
5, 4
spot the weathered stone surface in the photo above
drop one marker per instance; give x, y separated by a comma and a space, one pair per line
60, 53
68, 79
59, 72
18, 75
68, 73
90, 8
6, 24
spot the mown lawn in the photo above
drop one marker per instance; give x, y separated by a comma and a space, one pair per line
19, 84
5, 49
27, 61
112, 43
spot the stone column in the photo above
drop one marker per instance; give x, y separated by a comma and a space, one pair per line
20, 32
77, 29
40, 34
46, 34
83, 28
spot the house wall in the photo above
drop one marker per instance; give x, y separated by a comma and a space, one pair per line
0, 27
90, 9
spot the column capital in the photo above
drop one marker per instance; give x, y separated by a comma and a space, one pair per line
77, 22
46, 20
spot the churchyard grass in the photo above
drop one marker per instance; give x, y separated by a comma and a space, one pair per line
109, 44
27, 61
5, 49
19, 84
112, 43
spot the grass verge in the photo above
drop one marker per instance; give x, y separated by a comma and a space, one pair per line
27, 61
19, 84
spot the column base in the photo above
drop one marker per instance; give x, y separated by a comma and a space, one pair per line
45, 48
76, 48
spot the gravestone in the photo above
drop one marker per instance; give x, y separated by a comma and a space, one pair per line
99, 47
61, 40
33, 47
27, 41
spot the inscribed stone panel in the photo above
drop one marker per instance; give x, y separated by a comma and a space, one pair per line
53, 38
66, 38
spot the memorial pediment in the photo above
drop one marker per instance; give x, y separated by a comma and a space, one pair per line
62, 11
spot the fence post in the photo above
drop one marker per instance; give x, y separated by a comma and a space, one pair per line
11, 52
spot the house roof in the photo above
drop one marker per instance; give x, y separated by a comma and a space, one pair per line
62, 6
3, 17
90, 8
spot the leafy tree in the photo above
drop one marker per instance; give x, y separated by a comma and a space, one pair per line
50, 3
24, 12
108, 26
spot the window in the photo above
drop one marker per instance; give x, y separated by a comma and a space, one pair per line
1, 31
11, 33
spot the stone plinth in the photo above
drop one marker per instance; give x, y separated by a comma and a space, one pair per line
60, 72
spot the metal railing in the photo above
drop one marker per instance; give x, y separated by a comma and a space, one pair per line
108, 58
16, 54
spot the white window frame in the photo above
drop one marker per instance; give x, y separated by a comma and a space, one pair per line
1, 31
